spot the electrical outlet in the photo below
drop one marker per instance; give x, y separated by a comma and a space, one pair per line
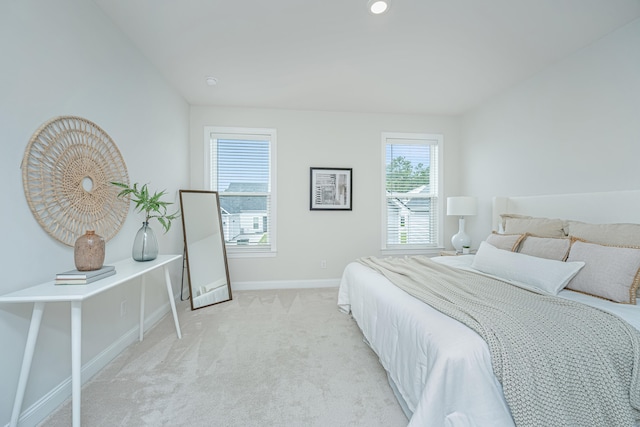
123, 308
323, 263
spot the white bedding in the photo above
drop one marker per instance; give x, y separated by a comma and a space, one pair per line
441, 368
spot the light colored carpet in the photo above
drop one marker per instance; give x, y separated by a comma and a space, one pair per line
267, 358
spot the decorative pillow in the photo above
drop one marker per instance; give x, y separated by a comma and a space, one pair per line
504, 217
605, 234
507, 242
611, 272
545, 247
537, 274
541, 227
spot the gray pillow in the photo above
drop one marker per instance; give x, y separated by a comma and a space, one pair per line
507, 242
606, 234
545, 247
503, 217
541, 227
610, 272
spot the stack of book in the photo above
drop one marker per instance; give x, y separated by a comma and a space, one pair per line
75, 277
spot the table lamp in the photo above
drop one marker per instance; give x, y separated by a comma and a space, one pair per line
461, 206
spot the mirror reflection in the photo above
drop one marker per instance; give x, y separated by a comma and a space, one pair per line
205, 251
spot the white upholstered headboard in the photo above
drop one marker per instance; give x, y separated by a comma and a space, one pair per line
596, 208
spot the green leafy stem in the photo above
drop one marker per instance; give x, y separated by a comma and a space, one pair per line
150, 204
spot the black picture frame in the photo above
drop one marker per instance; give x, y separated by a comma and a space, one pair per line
330, 189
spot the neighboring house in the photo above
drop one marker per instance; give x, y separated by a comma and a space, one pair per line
409, 213
244, 218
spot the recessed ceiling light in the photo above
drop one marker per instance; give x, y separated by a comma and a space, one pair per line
211, 81
378, 6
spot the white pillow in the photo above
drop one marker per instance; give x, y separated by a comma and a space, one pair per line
533, 273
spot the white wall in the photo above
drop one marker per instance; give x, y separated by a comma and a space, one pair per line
572, 128
321, 139
65, 57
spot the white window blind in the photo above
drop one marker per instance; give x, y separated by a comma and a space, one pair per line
240, 167
411, 211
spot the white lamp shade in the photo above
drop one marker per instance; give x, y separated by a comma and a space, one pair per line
462, 206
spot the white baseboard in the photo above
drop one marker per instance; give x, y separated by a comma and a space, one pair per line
284, 284
48, 403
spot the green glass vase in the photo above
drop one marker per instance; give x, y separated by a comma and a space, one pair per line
145, 245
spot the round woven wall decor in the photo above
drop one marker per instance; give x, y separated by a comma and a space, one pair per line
66, 173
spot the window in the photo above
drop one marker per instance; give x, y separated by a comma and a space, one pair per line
240, 165
412, 213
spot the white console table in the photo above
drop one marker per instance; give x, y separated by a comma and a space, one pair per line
75, 295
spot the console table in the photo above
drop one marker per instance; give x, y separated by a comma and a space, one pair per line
75, 294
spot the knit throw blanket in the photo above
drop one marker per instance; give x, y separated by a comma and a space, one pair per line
560, 363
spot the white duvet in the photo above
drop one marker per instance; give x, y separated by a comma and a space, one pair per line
441, 368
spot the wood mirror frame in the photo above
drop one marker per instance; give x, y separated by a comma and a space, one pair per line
205, 251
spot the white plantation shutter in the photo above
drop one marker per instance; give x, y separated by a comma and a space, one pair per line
412, 211
240, 167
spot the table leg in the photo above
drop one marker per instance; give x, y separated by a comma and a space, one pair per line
142, 296
27, 358
167, 280
76, 360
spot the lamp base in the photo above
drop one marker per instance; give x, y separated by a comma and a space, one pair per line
461, 238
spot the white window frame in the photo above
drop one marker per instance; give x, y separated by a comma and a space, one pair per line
421, 139
242, 251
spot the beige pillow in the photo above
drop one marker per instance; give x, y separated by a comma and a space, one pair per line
504, 217
507, 242
541, 227
545, 247
610, 272
606, 234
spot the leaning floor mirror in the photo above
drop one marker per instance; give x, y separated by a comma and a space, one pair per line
206, 256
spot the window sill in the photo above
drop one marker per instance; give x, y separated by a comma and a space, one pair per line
250, 254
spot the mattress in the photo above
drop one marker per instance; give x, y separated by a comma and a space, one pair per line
440, 369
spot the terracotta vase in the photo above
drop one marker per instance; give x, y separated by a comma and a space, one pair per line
88, 251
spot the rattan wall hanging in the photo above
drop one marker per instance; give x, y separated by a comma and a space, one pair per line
66, 173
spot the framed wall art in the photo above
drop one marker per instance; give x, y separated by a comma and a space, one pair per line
330, 189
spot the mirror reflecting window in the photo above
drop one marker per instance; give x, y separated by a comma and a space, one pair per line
205, 251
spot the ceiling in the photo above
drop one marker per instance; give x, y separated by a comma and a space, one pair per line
421, 57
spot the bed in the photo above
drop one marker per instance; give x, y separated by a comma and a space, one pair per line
441, 369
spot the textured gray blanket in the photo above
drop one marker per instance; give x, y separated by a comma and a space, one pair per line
560, 363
